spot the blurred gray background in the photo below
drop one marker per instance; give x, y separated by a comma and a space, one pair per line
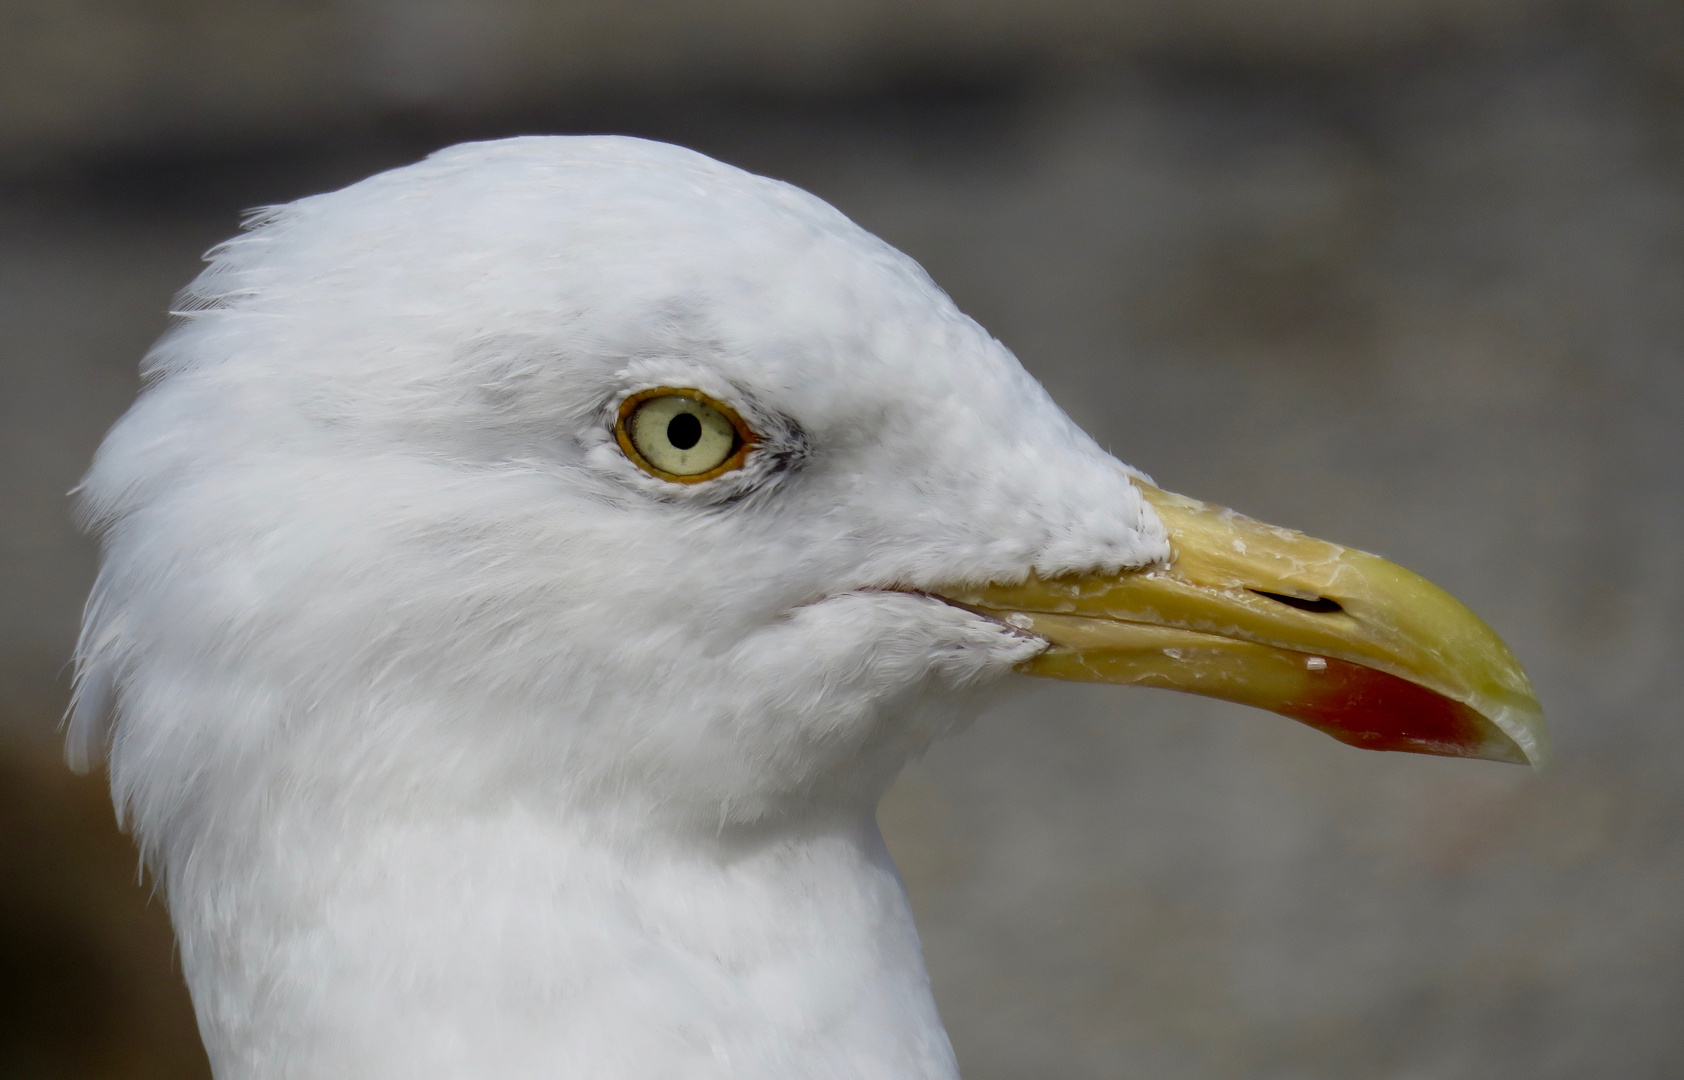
1407, 274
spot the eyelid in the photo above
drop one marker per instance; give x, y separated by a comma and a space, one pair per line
747, 439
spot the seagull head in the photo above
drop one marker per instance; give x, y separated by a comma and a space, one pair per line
595, 477
597, 461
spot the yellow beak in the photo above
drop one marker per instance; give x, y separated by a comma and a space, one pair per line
1346, 642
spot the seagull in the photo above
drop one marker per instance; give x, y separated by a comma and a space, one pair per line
524, 572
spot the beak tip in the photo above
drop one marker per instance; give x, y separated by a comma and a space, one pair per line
1525, 731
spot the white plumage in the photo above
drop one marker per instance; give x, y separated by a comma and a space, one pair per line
464, 748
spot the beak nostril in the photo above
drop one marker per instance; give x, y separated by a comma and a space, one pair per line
1320, 605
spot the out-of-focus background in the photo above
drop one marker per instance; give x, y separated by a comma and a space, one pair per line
1407, 274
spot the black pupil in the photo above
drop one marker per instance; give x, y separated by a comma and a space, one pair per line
684, 431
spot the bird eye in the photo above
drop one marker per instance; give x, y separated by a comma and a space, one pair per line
682, 435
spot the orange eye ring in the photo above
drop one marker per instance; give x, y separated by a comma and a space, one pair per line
712, 422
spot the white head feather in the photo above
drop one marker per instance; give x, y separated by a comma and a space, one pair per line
462, 746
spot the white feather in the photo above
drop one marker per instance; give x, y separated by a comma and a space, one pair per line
461, 747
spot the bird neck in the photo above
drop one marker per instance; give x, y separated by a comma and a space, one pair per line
524, 942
